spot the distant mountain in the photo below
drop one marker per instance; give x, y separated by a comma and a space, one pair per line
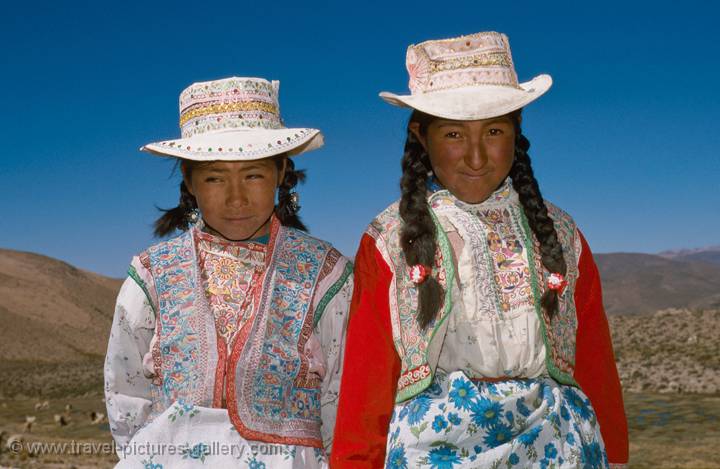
51, 311
709, 254
643, 283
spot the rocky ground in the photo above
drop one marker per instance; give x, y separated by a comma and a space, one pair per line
669, 362
670, 351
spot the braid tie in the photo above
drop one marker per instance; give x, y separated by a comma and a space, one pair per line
418, 238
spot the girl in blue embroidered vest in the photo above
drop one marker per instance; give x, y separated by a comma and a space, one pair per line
227, 339
477, 310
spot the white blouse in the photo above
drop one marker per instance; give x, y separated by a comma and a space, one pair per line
129, 372
494, 330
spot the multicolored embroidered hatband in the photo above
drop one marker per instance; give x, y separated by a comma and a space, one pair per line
466, 78
234, 119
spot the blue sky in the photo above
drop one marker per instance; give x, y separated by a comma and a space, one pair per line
626, 140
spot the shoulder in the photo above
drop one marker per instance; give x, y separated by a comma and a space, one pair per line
559, 215
169, 244
333, 258
386, 224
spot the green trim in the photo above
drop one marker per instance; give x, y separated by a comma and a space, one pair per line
554, 371
449, 267
134, 275
414, 389
332, 291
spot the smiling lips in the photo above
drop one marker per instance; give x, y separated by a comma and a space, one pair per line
476, 175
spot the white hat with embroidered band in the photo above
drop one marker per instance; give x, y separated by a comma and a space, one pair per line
466, 78
234, 119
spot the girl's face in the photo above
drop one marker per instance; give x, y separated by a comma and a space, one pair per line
236, 198
469, 158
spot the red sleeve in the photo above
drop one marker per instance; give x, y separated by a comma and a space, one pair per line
595, 369
371, 368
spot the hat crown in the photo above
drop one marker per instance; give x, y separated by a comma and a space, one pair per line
466, 61
234, 103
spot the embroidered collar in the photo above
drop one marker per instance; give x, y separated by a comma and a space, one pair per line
503, 196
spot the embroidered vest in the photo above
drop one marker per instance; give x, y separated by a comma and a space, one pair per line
419, 350
271, 396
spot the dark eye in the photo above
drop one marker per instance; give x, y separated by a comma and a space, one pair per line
453, 134
212, 179
255, 176
494, 132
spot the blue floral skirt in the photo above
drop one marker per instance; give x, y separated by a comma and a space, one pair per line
523, 423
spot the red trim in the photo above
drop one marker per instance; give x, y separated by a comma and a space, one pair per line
595, 368
237, 347
371, 369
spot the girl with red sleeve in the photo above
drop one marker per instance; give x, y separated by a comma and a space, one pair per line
477, 336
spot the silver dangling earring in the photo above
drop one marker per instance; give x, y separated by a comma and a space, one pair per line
193, 216
294, 204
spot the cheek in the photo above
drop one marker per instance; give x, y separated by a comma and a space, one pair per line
444, 158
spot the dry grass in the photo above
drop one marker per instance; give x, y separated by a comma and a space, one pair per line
666, 431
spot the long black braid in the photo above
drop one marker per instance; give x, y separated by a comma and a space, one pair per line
177, 218
536, 211
286, 209
418, 237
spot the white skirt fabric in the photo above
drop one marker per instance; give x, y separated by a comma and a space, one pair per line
522, 423
188, 436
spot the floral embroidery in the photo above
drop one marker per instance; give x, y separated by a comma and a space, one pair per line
268, 354
231, 273
181, 408
509, 279
258, 405
199, 451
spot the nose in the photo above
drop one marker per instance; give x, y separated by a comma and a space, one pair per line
475, 156
236, 196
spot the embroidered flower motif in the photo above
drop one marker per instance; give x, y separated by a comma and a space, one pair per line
522, 408
443, 457
396, 458
462, 393
255, 464
514, 459
528, 437
199, 451
486, 412
550, 451
439, 424
454, 418
418, 408
497, 435
592, 455
577, 403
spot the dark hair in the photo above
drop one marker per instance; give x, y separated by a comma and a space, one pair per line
418, 238
178, 218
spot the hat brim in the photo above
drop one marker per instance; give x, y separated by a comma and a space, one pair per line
473, 102
239, 144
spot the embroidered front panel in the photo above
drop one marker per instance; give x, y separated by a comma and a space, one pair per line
509, 279
562, 328
231, 272
500, 285
411, 343
270, 397
186, 345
